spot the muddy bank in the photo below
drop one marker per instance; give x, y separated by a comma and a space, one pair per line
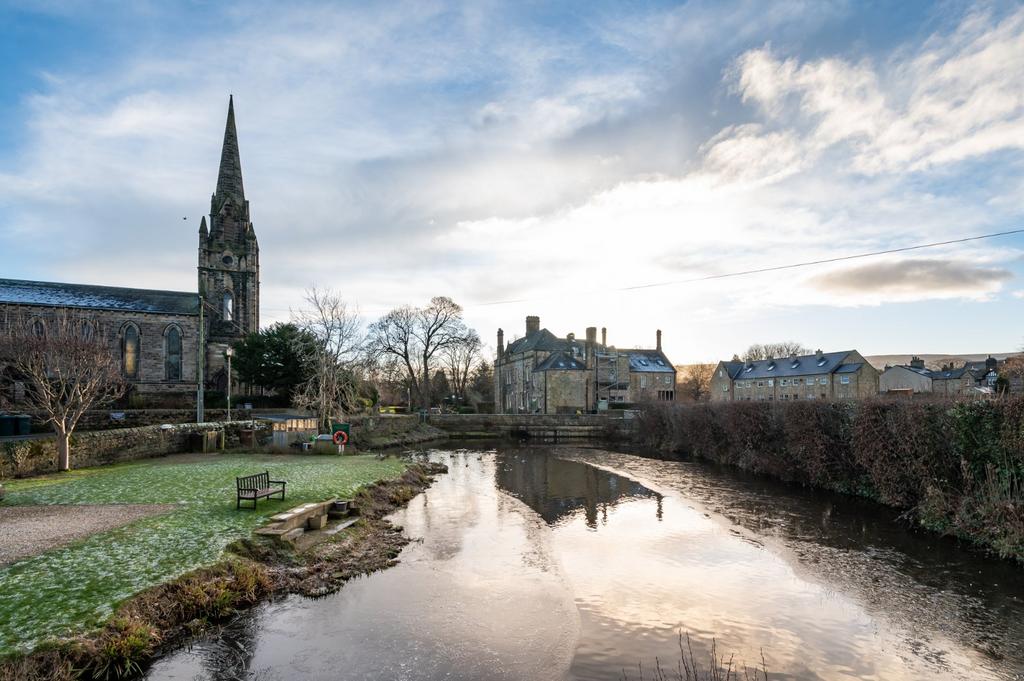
159, 619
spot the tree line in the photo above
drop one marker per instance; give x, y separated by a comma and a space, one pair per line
323, 360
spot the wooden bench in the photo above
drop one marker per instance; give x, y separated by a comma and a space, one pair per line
257, 486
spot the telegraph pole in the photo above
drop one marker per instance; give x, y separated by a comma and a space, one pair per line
200, 362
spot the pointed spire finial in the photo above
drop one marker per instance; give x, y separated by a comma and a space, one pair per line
229, 178
202, 227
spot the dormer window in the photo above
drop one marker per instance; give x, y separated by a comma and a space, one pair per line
794, 365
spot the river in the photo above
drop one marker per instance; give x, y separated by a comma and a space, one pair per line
561, 562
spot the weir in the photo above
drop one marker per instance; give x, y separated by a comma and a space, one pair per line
545, 427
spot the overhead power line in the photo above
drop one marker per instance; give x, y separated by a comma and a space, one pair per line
776, 268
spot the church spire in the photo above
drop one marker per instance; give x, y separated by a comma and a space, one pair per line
229, 178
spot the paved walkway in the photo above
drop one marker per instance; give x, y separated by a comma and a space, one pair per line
30, 530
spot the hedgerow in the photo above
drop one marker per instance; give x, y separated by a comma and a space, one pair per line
955, 467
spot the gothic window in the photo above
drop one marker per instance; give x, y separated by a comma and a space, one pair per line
38, 328
86, 331
229, 307
130, 351
172, 353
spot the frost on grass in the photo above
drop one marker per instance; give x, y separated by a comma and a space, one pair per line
64, 590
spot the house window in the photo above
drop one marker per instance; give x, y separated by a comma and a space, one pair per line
823, 380
130, 351
771, 382
760, 384
784, 382
172, 354
643, 381
845, 380
725, 388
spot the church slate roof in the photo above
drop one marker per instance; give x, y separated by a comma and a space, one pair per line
51, 294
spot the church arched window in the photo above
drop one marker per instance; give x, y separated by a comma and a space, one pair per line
130, 351
172, 353
38, 328
229, 307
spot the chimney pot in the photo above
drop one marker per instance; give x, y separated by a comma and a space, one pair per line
659, 339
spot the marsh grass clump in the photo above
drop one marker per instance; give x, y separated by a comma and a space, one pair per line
687, 668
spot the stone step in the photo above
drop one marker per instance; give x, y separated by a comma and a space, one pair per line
293, 534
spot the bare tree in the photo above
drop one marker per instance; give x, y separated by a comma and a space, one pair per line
459, 359
68, 366
411, 337
758, 351
331, 355
695, 381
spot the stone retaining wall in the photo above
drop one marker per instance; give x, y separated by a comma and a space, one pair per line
100, 419
37, 456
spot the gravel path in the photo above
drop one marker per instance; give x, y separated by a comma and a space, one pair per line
29, 530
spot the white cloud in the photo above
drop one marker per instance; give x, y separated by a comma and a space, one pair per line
958, 97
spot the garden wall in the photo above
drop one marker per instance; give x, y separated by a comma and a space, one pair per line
36, 456
957, 467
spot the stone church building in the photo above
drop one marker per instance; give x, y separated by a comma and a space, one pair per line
156, 334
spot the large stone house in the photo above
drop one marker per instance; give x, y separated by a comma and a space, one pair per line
821, 376
544, 374
156, 334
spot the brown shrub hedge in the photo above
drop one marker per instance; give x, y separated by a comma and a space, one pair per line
956, 467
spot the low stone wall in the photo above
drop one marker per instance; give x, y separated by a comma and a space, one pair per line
101, 419
37, 456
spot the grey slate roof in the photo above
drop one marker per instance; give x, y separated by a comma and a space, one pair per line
804, 365
649, 360
538, 340
733, 368
849, 368
561, 361
50, 294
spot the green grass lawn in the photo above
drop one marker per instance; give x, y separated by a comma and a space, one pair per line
70, 588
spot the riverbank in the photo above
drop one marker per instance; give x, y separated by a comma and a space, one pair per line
164, 616
956, 468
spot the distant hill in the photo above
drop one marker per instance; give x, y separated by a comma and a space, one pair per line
934, 361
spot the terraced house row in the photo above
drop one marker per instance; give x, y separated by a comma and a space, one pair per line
821, 376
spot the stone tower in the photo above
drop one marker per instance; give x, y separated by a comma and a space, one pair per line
229, 258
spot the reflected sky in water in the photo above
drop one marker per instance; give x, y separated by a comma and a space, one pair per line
566, 563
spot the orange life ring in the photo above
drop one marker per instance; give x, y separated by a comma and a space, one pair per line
340, 437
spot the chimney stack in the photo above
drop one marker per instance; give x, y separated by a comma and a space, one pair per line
659, 340
916, 362
604, 337
532, 324
591, 342
501, 343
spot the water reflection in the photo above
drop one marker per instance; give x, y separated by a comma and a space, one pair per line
563, 563
558, 488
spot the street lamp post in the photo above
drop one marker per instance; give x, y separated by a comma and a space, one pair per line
229, 352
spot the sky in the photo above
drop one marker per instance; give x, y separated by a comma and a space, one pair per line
538, 158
